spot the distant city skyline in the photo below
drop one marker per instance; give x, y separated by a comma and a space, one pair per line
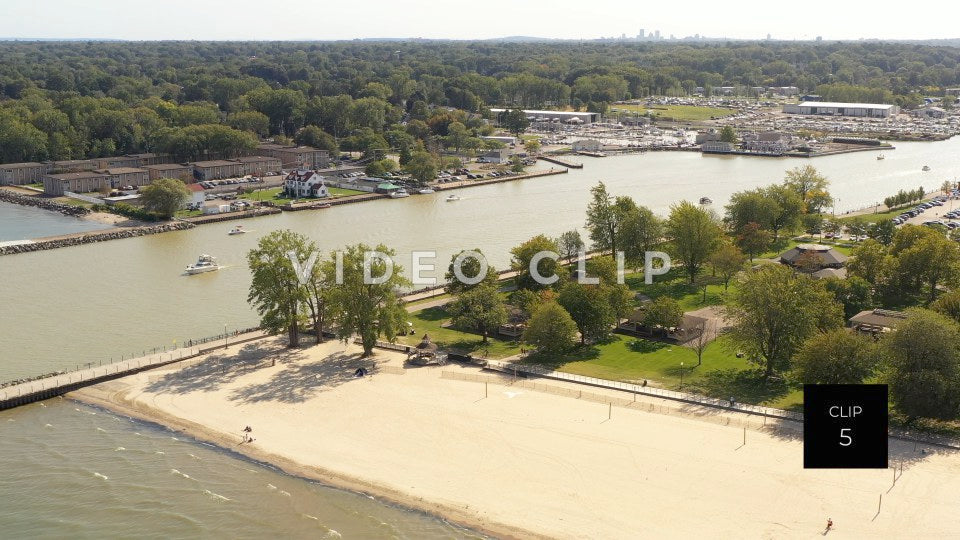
370, 19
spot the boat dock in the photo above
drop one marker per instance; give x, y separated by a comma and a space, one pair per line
558, 161
49, 386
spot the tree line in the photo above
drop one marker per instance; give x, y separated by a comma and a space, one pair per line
75, 100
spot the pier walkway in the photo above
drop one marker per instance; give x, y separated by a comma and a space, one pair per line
558, 161
85, 375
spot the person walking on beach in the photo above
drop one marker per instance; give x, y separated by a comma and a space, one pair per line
829, 526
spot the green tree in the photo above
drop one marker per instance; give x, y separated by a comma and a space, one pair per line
523, 255
515, 121
664, 312
570, 244
811, 186
775, 310
727, 134
364, 307
532, 146
479, 308
727, 261
753, 239
923, 372
317, 138
605, 216
165, 196
949, 305
869, 261
854, 292
882, 231
590, 309
837, 356
640, 231
470, 267
550, 329
457, 136
693, 235
422, 167
275, 289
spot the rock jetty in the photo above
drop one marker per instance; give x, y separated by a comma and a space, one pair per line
90, 238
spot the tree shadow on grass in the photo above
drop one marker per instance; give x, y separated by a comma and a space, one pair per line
645, 346
581, 353
744, 385
436, 313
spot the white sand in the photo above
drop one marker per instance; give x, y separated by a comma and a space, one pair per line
523, 461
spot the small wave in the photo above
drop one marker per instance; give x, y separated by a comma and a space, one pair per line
284, 493
119, 449
42, 404
160, 452
193, 456
48, 425
101, 429
333, 534
137, 434
10, 420
174, 438
315, 518
98, 475
215, 495
78, 410
271, 486
174, 471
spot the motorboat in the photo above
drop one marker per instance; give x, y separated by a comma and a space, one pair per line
237, 230
426, 191
880, 157
452, 198
399, 194
205, 263
706, 200
925, 168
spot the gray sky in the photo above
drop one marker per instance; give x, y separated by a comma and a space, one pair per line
456, 19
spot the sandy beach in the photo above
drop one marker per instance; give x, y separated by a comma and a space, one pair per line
514, 461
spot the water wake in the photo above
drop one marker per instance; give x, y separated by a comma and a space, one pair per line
215, 495
98, 475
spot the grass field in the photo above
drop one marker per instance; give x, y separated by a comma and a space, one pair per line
721, 375
429, 321
676, 112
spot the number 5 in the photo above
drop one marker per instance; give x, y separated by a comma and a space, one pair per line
845, 436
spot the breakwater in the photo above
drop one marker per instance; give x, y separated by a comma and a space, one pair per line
39, 202
90, 238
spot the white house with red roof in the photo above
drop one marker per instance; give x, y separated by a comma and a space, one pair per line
305, 183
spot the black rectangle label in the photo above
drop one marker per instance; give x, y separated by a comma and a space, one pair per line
845, 426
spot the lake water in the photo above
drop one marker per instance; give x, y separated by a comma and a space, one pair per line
89, 303
24, 222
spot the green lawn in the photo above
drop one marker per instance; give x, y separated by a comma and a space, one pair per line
73, 202
675, 285
188, 213
429, 320
722, 374
676, 112
341, 192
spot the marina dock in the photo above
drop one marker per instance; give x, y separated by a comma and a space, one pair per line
559, 161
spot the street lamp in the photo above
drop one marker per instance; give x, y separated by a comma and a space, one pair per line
681, 376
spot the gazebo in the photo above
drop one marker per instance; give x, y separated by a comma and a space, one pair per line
425, 352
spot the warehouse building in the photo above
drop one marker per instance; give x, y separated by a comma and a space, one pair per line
79, 182
825, 108
566, 117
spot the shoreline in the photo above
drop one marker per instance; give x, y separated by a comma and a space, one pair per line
113, 402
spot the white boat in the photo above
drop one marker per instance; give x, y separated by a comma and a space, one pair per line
205, 263
426, 191
926, 168
706, 200
237, 230
881, 156
399, 194
452, 198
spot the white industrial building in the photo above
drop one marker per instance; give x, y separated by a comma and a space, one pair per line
566, 117
825, 108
